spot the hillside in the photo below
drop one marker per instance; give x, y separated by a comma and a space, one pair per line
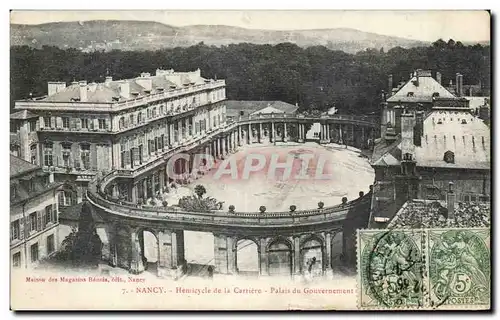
147, 35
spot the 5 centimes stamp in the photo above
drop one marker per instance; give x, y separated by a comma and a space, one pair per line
390, 269
459, 267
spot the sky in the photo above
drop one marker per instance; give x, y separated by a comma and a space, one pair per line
465, 26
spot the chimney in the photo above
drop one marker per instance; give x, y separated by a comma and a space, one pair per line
407, 127
418, 131
108, 80
390, 84
459, 84
55, 87
385, 119
398, 110
438, 77
145, 81
83, 90
450, 201
125, 89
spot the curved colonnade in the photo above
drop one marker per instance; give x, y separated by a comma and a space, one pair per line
288, 243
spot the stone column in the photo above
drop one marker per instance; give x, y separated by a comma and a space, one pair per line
171, 134
301, 132
341, 135
216, 147
168, 253
285, 134
145, 189
328, 254
239, 136
273, 133
225, 255
261, 132
162, 180
363, 139
133, 193
264, 271
153, 185
114, 190
136, 265
231, 255
113, 255
250, 137
352, 135
296, 256
328, 128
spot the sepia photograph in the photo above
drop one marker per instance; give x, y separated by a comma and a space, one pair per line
250, 160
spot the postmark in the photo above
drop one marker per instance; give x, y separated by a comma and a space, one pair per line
459, 267
391, 266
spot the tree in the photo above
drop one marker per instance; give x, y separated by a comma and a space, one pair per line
200, 190
86, 246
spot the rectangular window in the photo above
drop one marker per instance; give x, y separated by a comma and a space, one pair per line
16, 260
50, 244
34, 252
102, 124
33, 153
48, 214
46, 122
32, 126
47, 155
85, 156
32, 218
65, 121
85, 123
14, 230
31, 186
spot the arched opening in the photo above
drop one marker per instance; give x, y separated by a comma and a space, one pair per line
311, 257
313, 131
123, 245
148, 242
247, 257
280, 258
199, 252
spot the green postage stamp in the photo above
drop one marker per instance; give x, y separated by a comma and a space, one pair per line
424, 269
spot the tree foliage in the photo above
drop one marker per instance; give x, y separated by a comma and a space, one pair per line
313, 76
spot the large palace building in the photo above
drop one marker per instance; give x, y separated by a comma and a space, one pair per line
430, 138
111, 142
82, 129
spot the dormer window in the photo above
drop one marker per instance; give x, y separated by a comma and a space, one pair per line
464, 121
410, 94
440, 121
449, 157
435, 95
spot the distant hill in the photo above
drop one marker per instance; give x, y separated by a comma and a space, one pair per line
148, 35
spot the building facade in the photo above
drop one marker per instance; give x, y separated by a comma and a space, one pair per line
34, 213
83, 129
430, 138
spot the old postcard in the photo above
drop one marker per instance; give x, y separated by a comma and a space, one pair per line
257, 160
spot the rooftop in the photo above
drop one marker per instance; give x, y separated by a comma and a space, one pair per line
19, 166
432, 214
468, 137
233, 107
125, 89
421, 88
22, 115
